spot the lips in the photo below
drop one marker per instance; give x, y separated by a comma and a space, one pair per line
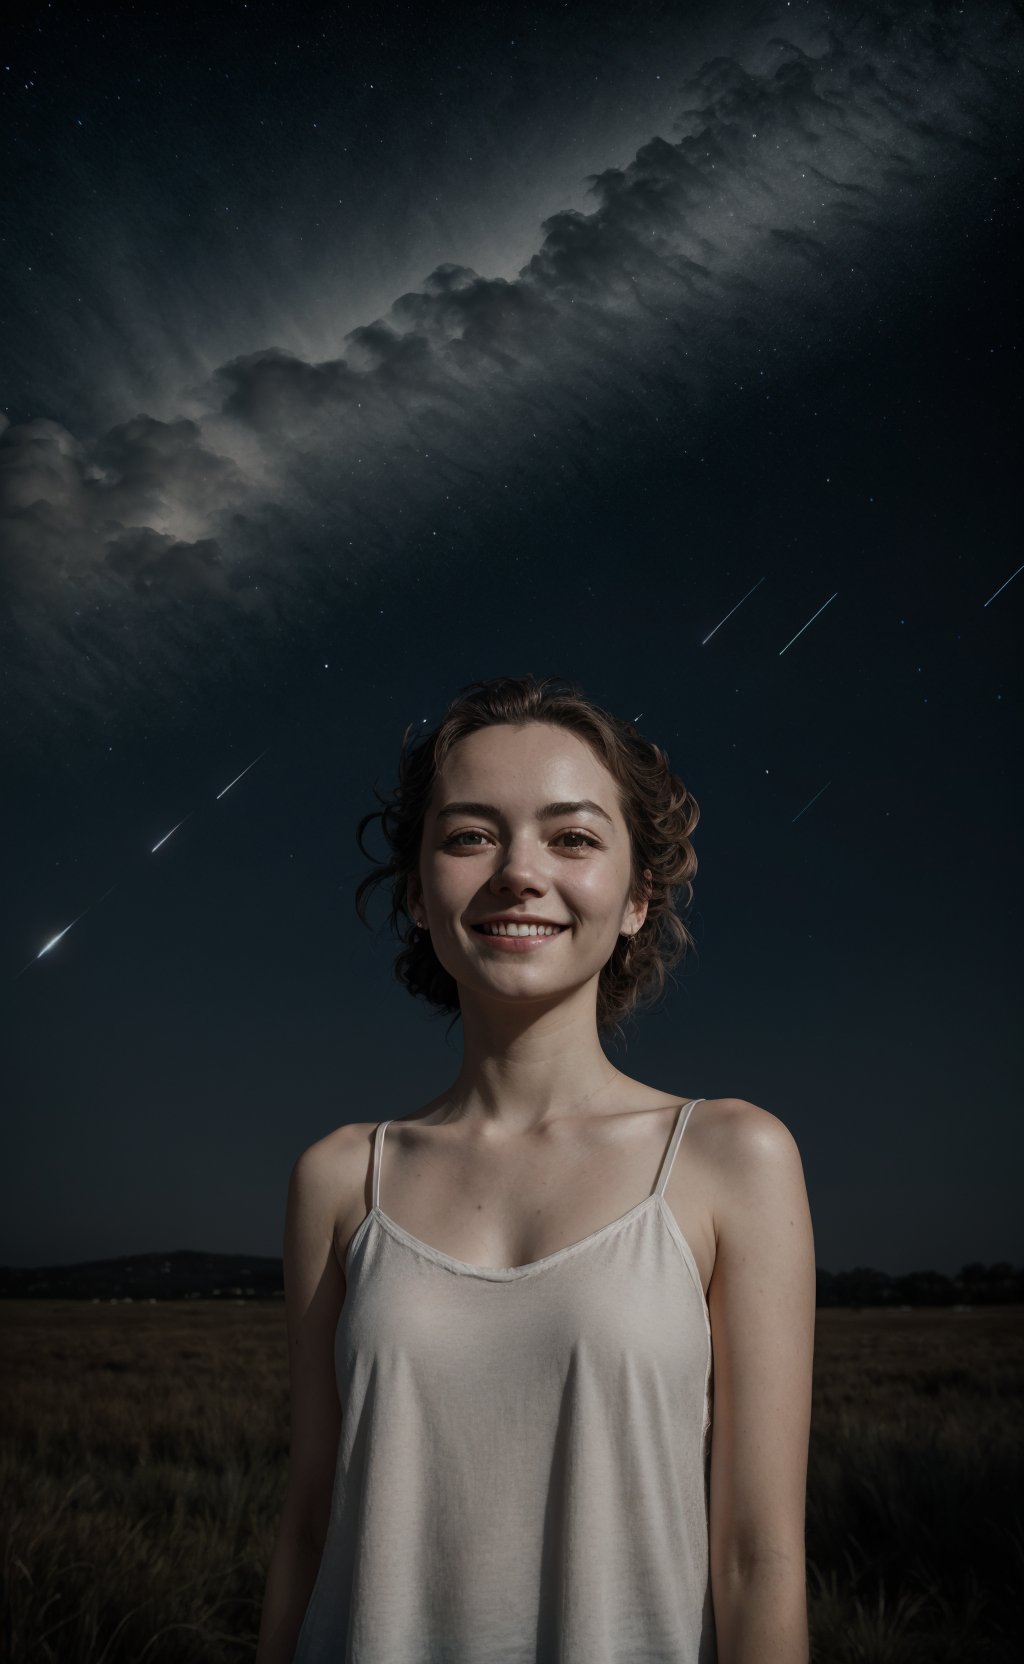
519, 944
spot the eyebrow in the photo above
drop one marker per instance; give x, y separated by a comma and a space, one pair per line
550, 811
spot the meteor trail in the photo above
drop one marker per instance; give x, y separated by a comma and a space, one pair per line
1009, 580
61, 933
804, 626
52, 943
814, 799
238, 777
171, 833
736, 608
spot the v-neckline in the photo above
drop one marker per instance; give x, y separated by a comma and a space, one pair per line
491, 1272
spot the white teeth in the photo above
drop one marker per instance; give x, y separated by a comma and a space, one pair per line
521, 929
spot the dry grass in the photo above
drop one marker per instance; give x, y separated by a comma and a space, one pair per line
143, 1467
915, 1538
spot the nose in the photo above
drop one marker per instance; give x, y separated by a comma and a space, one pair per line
519, 872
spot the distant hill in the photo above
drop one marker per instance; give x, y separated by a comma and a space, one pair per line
186, 1274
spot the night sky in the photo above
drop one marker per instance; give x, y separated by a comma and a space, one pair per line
352, 354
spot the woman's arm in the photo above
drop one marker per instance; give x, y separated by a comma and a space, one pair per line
314, 1288
290, 1578
762, 1304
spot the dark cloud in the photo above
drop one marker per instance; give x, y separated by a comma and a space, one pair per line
151, 562
791, 193
66, 504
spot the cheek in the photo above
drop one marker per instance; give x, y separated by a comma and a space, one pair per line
453, 884
454, 877
597, 887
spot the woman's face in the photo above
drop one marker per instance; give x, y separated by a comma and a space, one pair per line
490, 846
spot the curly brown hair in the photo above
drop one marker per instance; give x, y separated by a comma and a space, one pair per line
658, 810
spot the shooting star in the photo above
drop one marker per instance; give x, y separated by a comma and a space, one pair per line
1009, 580
170, 834
814, 799
52, 943
804, 626
728, 615
238, 777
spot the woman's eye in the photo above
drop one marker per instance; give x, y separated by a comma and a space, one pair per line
455, 839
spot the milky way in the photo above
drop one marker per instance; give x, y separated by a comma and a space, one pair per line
714, 267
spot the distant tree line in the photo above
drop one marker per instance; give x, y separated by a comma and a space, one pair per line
973, 1285
188, 1274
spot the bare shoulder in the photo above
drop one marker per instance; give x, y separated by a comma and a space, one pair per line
334, 1172
738, 1131
338, 1152
752, 1152
732, 1130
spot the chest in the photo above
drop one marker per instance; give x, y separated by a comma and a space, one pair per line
509, 1204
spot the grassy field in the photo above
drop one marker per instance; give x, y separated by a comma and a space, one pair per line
143, 1464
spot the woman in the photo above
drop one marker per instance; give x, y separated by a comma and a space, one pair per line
532, 1308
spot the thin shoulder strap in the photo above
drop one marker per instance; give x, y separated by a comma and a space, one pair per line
670, 1153
378, 1140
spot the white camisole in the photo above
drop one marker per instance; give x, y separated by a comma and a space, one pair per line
522, 1475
